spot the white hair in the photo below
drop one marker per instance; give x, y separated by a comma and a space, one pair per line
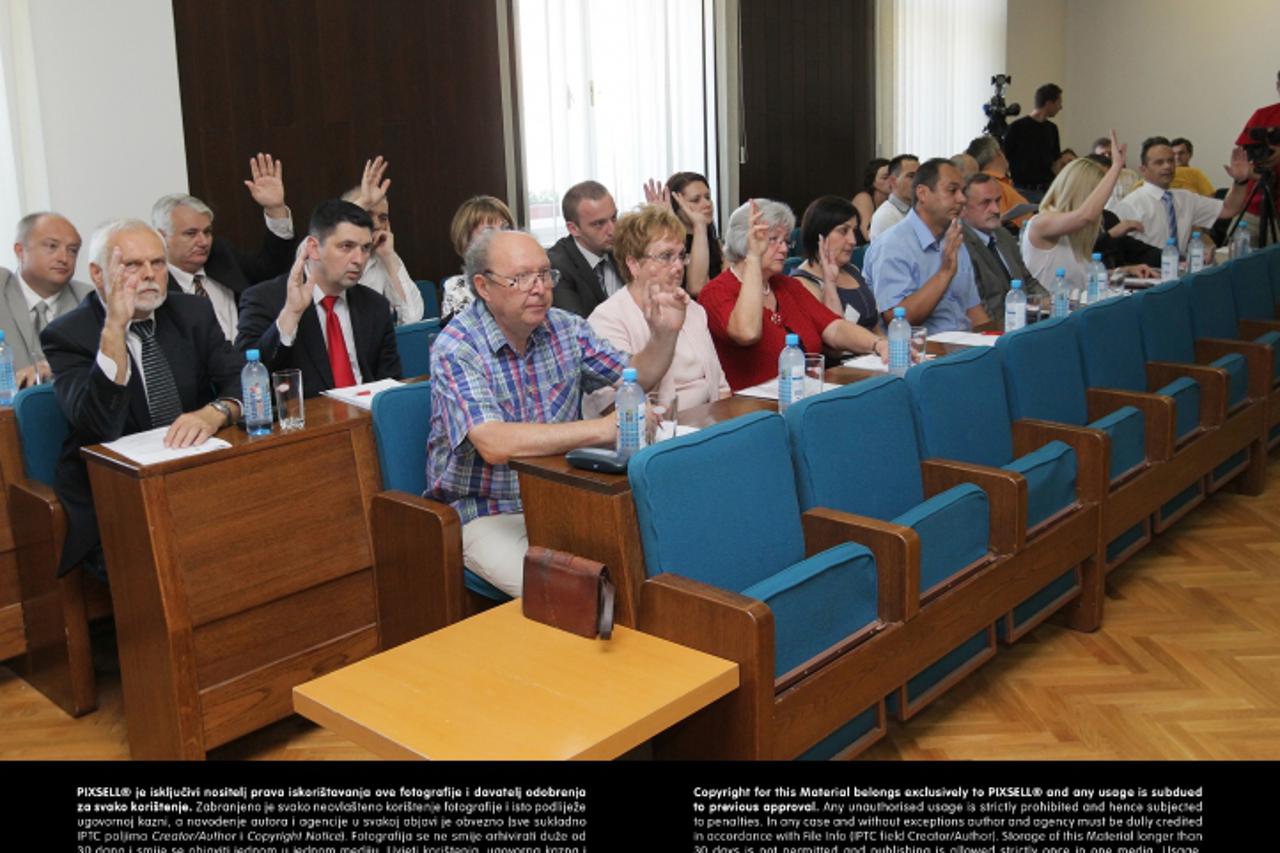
774, 213
104, 235
162, 210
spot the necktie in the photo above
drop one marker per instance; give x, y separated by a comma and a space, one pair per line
600, 275
157, 378
339, 360
991, 244
1173, 217
197, 281
42, 316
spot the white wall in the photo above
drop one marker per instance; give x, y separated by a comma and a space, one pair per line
1150, 67
97, 102
1036, 53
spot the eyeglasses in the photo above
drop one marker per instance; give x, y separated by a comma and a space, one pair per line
777, 239
524, 281
667, 258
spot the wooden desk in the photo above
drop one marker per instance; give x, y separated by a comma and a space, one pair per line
237, 574
13, 639
499, 686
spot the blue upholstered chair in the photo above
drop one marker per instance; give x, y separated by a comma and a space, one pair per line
1256, 321
1044, 381
790, 264
728, 571
855, 451
962, 414
413, 341
1234, 376
56, 610
430, 301
422, 584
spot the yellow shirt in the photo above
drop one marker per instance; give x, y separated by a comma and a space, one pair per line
1191, 178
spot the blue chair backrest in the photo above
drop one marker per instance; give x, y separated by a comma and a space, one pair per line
413, 341
430, 301
401, 421
855, 449
961, 409
790, 264
859, 253
1164, 314
1251, 287
1213, 306
719, 505
1043, 377
42, 429
1110, 338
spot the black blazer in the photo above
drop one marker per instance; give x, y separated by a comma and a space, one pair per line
371, 323
578, 290
205, 367
237, 270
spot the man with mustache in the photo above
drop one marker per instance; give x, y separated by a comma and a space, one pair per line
130, 358
314, 318
46, 246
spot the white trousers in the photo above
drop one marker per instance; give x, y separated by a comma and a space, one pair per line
493, 546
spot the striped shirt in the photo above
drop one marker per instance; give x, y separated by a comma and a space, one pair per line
477, 377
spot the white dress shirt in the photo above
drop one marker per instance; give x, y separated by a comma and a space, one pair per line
1146, 204
34, 299
344, 320
890, 212
221, 298
612, 282
410, 308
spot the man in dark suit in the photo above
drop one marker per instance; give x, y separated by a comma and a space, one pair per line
588, 275
315, 318
992, 249
211, 267
133, 357
39, 290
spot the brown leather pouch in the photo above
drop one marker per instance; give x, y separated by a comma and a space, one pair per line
568, 592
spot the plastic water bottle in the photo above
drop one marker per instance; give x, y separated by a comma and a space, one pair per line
8, 384
630, 403
1195, 253
1097, 285
1240, 242
255, 384
1015, 307
1061, 296
790, 373
899, 343
1169, 260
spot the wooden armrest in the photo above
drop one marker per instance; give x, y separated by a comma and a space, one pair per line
39, 530
1092, 447
1257, 358
1213, 387
1256, 327
1006, 492
728, 625
896, 549
1159, 416
417, 556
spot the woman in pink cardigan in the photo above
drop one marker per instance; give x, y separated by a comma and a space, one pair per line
648, 247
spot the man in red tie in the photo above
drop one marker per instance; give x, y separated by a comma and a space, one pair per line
315, 318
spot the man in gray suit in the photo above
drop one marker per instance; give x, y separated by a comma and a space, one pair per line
46, 245
992, 249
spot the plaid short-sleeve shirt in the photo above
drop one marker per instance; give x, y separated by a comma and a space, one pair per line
477, 377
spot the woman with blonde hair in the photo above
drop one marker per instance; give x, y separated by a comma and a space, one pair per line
472, 218
1062, 234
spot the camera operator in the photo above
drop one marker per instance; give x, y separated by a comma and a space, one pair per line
1260, 133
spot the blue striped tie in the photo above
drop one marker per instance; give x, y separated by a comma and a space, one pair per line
157, 378
1173, 218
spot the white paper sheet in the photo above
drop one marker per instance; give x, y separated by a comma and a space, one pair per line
147, 448
968, 339
769, 390
664, 430
362, 396
868, 361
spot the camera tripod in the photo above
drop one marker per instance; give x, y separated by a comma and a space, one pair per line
1268, 220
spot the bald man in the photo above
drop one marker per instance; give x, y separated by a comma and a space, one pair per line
46, 246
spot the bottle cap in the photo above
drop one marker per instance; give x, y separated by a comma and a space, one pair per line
1097, 256
251, 355
1016, 284
629, 374
899, 312
1170, 242
793, 340
1, 336
1060, 271
1195, 235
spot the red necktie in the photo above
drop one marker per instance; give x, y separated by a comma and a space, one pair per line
339, 361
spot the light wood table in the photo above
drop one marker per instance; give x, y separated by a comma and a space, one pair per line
500, 686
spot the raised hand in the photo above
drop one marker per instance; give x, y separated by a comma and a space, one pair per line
122, 294
757, 234
299, 288
827, 259
657, 193
267, 184
951, 248
666, 309
373, 188
1118, 150
1240, 169
384, 243
696, 217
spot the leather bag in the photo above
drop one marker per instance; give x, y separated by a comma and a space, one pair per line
568, 592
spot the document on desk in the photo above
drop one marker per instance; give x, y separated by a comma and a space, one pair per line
870, 362
362, 396
769, 390
967, 339
147, 448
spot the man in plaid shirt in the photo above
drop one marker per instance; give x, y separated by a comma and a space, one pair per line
507, 379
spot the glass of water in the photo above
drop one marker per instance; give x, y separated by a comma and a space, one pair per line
288, 388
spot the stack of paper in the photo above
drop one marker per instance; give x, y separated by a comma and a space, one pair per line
769, 390
362, 395
869, 361
147, 448
968, 339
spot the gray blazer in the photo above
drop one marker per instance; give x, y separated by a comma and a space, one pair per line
15, 316
992, 282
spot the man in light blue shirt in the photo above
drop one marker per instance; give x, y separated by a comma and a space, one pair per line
921, 263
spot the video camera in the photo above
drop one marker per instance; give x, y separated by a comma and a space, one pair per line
996, 110
1263, 142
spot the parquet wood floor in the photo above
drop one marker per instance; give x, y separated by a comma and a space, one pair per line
1186, 666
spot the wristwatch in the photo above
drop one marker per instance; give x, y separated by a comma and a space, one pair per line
225, 411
